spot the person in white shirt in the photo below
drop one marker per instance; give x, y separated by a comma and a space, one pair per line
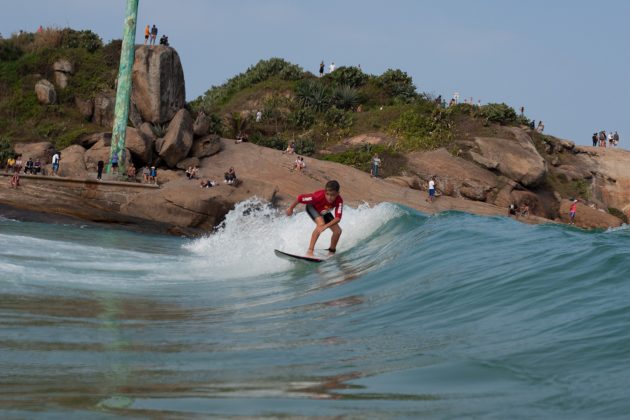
332, 67
431, 190
55, 163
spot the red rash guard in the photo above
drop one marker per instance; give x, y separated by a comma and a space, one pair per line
318, 200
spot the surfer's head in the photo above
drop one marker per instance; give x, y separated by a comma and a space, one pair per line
332, 191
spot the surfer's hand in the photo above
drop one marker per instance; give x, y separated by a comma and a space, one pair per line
289, 211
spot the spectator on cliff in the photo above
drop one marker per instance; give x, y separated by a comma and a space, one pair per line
602, 138
145, 174
18, 164
616, 139
290, 149
230, 176
99, 169
11, 164
522, 111
438, 100
321, 68
114, 162
611, 141
207, 183
595, 139
28, 169
131, 172
37, 167
164, 40
153, 175
512, 210
540, 127
147, 34
258, 116
332, 67
154, 32
40, 29
376, 164
15, 180
572, 212
532, 124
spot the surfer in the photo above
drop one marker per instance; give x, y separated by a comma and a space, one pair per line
319, 206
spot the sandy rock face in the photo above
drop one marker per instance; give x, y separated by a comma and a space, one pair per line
517, 158
104, 105
42, 151
72, 163
178, 139
455, 176
158, 83
45, 91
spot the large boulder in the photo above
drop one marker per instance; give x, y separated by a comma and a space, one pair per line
206, 146
201, 127
42, 151
140, 146
517, 157
72, 163
178, 139
63, 69
101, 151
104, 106
134, 115
158, 83
455, 176
45, 92
85, 106
89, 140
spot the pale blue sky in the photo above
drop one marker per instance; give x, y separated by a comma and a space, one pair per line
565, 61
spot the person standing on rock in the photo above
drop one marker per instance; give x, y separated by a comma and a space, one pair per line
376, 164
115, 163
99, 169
431, 190
154, 32
147, 33
55, 162
572, 212
616, 139
321, 68
320, 206
332, 67
594, 139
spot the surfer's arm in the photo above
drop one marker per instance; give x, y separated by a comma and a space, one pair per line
333, 222
292, 206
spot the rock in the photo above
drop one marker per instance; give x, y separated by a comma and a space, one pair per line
134, 115
184, 164
165, 176
64, 66
455, 176
363, 139
42, 151
527, 197
518, 158
201, 127
178, 139
555, 161
101, 151
486, 163
587, 217
89, 140
104, 106
72, 163
146, 130
206, 146
45, 91
412, 182
139, 146
158, 83
573, 173
85, 106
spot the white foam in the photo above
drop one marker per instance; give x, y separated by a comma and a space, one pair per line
243, 246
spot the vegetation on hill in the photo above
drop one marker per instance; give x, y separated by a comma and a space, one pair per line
27, 58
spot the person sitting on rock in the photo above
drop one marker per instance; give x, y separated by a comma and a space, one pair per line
525, 210
290, 149
230, 176
37, 167
145, 174
189, 172
207, 183
153, 175
28, 169
512, 210
131, 172
299, 164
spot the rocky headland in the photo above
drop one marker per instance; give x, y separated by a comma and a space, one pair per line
482, 168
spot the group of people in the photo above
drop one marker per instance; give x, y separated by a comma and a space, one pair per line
15, 165
515, 210
192, 172
322, 68
599, 139
150, 36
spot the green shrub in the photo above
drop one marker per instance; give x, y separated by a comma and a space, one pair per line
305, 147
159, 130
421, 130
498, 113
87, 40
398, 85
271, 142
263, 70
303, 118
618, 213
6, 150
359, 158
312, 94
349, 76
9, 51
216, 126
338, 118
345, 97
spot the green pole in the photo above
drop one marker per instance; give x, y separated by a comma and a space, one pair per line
123, 92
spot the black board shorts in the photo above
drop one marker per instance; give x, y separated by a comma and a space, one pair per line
314, 214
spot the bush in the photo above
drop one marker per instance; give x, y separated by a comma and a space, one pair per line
398, 85
422, 131
263, 70
9, 51
271, 142
359, 158
312, 94
498, 113
338, 118
87, 40
346, 97
302, 118
305, 147
216, 126
6, 150
350, 76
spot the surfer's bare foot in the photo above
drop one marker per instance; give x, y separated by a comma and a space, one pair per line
331, 250
309, 253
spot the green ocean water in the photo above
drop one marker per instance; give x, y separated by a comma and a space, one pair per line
446, 316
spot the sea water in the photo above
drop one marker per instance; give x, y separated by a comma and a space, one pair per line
446, 316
